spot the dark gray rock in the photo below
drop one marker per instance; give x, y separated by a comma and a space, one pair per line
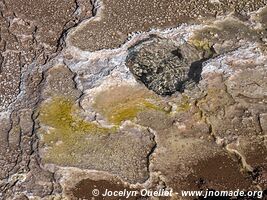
163, 66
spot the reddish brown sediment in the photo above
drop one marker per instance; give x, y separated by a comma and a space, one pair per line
117, 19
84, 189
32, 32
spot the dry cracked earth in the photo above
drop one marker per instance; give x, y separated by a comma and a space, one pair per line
104, 94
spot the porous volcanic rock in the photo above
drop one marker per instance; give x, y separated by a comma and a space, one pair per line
164, 66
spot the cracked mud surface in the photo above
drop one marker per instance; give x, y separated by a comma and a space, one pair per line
121, 95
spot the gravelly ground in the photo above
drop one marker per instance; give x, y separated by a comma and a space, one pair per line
74, 117
117, 19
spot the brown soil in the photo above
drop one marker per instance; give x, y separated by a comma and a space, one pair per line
85, 187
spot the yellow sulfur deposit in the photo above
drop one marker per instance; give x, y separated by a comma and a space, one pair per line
125, 102
67, 133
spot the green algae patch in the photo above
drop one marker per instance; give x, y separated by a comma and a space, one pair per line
201, 44
124, 103
67, 136
226, 35
184, 104
62, 114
